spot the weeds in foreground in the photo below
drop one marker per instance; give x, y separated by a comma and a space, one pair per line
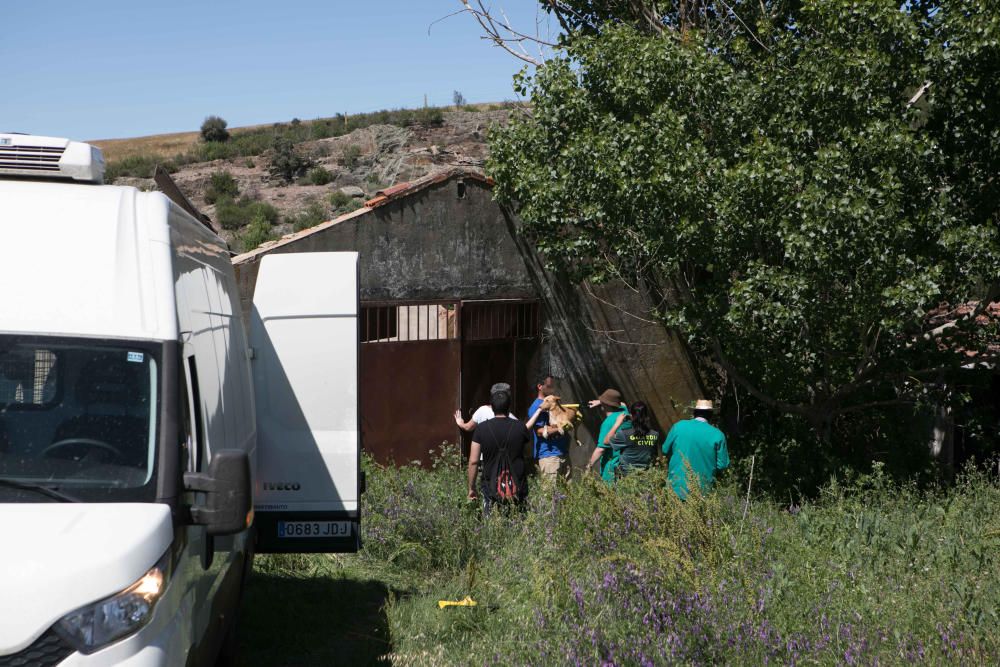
870, 573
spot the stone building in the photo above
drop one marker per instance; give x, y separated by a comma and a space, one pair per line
454, 299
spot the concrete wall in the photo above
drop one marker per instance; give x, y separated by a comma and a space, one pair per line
427, 246
599, 337
431, 245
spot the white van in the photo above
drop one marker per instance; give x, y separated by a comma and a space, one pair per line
130, 447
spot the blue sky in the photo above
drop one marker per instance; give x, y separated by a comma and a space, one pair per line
121, 68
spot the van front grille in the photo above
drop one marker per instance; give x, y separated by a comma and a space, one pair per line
49, 649
30, 158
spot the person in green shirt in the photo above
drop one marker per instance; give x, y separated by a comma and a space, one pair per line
695, 446
616, 416
637, 446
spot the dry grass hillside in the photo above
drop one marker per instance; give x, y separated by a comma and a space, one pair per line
160, 145
270, 180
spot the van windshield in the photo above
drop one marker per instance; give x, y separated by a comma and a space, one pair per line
78, 415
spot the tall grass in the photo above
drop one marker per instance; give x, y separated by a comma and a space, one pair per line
873, 572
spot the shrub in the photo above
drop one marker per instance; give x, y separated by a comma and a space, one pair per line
253, 142
139, 166
286, 162
342, 203
210, 151
338, 199
256, 233
320, 176
427, 116
314, 214
213, 129
229, 214
222, 185
350, 156
323, 128
233, 215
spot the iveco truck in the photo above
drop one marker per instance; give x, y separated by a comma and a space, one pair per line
150, 442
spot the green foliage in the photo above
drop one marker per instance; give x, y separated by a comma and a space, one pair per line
338, 199
872, 572
350, 156
432, 116
138, 166
257, 231
320, 176
222, 185
313, 214
213, 129
232, 214
786, 208
342, 203
286, 162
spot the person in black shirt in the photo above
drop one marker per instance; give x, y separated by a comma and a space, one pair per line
501, 441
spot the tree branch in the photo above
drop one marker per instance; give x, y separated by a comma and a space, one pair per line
590, 292
502, 34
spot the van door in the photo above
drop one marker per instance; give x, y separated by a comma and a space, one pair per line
304, 335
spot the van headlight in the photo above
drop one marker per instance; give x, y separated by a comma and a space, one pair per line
100, 623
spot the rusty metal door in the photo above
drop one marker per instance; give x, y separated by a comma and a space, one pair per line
500, 343
410, 379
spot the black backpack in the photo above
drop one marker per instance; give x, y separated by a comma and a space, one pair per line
506, 484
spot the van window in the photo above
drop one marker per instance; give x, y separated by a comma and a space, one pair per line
28, 377
78, 413
196, 460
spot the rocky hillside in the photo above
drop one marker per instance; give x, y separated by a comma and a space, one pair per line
342, 171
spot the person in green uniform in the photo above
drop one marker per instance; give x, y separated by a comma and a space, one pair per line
616, 416
636, 446
695, 446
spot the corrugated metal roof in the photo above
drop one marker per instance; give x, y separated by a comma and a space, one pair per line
381, 198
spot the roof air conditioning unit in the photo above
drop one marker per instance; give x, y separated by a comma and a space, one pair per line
50, 157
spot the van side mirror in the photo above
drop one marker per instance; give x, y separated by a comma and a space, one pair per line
227, 493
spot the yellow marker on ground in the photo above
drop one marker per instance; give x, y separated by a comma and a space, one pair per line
467, 602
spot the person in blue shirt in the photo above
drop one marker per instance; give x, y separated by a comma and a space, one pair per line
551, 448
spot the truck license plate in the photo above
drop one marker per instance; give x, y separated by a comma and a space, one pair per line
314, 529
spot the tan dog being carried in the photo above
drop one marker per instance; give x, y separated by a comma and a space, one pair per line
561, 417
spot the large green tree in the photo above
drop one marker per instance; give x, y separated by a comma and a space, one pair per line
797, 186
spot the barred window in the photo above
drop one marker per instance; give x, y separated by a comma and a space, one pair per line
403, 323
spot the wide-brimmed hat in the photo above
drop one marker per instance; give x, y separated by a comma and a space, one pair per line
611, 398
703, 404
